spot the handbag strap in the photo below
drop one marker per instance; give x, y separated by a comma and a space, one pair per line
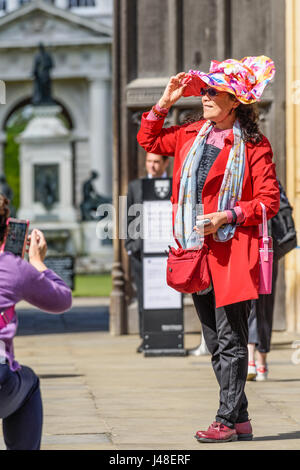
264, 232
187, 249
6, 316
178, 243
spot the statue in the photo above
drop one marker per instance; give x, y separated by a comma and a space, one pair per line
46, 185
91, 199
6, 190
43, 63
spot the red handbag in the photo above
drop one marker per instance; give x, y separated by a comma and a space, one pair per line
187, 270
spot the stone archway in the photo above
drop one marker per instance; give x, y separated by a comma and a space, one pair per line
13, 123
27, 101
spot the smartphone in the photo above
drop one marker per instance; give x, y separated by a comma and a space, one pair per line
202, 222
16, 237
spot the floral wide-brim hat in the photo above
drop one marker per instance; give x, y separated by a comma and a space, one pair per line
245, 79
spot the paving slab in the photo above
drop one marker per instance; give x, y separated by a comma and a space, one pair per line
99, 394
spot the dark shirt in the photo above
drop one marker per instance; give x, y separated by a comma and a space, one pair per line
210, 154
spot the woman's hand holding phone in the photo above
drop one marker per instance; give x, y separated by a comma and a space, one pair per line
37, 249
216, 220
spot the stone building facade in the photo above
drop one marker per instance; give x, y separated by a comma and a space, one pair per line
79, 37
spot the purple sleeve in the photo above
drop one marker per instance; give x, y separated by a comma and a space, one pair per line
45, 290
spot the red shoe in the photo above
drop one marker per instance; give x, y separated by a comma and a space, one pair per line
217, 432
244, 431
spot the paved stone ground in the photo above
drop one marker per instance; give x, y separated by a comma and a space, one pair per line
98, 393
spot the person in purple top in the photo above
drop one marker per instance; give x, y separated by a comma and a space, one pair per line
20, 399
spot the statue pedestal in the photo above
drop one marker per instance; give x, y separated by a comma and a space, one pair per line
46, 165
62, 237
97, 254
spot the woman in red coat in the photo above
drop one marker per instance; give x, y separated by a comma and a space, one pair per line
222, 164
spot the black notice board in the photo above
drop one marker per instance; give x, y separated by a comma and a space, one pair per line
163, 328
63, 266
157, 189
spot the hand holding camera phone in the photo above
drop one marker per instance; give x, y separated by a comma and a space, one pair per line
202, 222
37, 246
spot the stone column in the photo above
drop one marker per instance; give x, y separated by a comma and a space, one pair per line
12, 5
292, 260
118, 308
62, 4
2, 143
66, 183
27, 186
81, 170
100, 121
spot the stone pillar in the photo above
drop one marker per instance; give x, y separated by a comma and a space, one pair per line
2, 143
45, 143
82, 172
62, 4
118, 308
100, 121
27, 186
292, 260
12, 5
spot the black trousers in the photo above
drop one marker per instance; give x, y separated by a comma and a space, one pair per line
225, 331
20, 408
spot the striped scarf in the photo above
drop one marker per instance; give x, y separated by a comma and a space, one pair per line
230, 191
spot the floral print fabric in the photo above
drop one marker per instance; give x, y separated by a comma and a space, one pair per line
246, 79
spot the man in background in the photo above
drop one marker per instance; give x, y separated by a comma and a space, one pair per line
156, 166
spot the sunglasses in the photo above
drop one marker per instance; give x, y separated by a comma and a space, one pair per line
210, 91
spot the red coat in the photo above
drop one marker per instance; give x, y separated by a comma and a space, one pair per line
234, 265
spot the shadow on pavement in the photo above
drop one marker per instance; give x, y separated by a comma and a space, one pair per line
284, 380
77, 319
282, 345
59, 376
279, 437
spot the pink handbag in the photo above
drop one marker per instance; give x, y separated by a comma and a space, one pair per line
265, 256
6, 316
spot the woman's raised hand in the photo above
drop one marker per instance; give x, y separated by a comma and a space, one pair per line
174, 90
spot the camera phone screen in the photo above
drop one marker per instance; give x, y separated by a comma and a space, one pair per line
15, 238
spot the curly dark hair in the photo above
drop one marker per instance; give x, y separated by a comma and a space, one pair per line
4, 214
248, 116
